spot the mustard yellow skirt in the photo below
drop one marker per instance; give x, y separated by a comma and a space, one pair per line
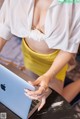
40, 63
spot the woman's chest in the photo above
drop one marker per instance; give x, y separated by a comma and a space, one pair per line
39, 14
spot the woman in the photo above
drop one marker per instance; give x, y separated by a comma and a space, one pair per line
50, 33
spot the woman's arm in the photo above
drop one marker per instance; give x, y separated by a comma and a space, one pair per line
43, 81
2, 43
60, 61
5, 32
71, 91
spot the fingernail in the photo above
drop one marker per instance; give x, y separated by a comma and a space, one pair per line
25, 94
38, 109
25, 90
30, 82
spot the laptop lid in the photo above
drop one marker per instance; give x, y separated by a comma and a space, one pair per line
12, 92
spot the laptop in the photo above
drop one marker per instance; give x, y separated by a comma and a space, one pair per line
12, 94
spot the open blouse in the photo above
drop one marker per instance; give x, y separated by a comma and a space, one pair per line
62, 23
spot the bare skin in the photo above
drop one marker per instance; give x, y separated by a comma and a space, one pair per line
71, 90
2, 43
40, 11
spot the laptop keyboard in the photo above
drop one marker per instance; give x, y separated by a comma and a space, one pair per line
34, 103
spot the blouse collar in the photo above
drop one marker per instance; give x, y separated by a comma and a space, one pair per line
54, 3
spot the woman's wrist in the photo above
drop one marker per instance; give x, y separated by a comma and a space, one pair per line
48, 78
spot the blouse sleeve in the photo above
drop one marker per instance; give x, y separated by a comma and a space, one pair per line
66, 33
74, 40
5, 32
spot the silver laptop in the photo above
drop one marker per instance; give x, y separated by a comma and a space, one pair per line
12, 94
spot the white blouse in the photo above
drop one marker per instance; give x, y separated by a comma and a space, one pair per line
62, 23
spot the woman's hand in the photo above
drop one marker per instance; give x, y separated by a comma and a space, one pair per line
41, 93
43, 81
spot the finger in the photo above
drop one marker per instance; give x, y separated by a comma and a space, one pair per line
26, 90
39, 97
30, 82
41, 88
42, 103
34, 83
27, 95
37, 92
30, 92
31, 97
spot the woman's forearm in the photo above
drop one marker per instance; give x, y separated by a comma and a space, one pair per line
2, 43
71, 90
60, 61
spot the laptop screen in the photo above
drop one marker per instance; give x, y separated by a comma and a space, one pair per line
7, 113
12, 92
